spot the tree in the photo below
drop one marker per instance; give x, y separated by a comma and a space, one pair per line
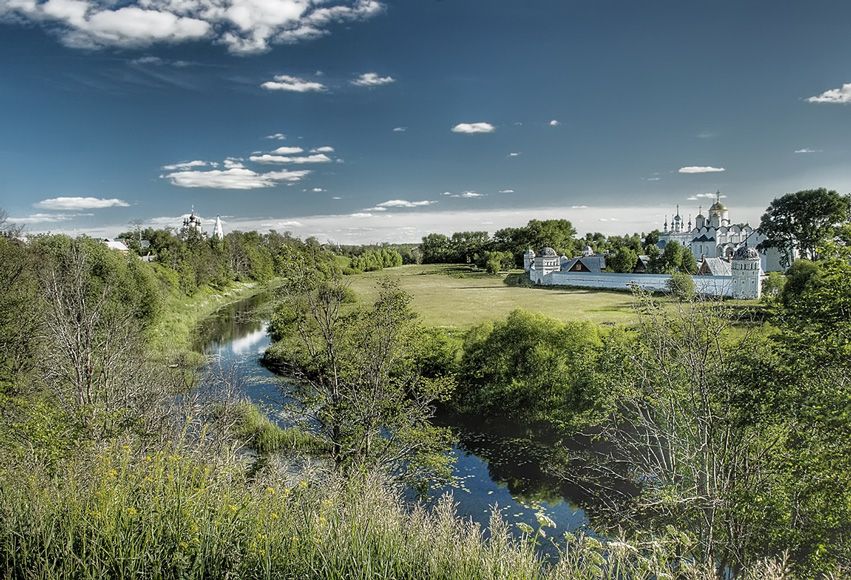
803, 220
623, 260
685, 428
435, 249
361, 388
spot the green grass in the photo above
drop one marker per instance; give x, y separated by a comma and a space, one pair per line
265, 436
458, 297
178, 513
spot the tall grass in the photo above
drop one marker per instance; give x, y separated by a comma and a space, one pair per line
172, 513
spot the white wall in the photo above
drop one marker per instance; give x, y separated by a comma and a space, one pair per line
710, 285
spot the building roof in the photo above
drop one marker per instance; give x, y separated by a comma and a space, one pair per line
745, 253
547, 252
714, 267
593, 264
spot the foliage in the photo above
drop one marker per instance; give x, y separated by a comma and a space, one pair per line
681, 285
361, 388
803, 221
372, 261
527, 367
677, 421
623, 260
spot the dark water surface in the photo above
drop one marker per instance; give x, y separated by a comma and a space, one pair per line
496, 464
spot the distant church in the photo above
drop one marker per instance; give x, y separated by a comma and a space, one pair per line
714, 236
193, 222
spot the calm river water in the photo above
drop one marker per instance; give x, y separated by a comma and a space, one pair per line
496, 465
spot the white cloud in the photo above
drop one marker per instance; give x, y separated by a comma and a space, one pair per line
707, 195
471, 194
506, 191
287, 151
293, 84
186, 165
78, 203
554, 123
399, 129
234, 178
579, 207
706, 135
403, 203
471, 128
372, 80
516, 154
325, 149
277, 136
43, 218
653, 178
840, 95
317, 190
700, 169
232, 163
805, 150
244, 26
361, 215
320, 158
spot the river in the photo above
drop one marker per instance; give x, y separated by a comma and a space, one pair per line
496, 464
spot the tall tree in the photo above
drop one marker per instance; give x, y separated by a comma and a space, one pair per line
361, 388
803, 220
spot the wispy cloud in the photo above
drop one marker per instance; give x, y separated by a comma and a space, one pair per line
471, 128
471, 194
700, 169
514, 154
325, 149
372, 80
705, 135
243, 26
554, 123
840, 95
277, 137
399, 129
48, 218
292, 84
319, 158
234, 178
805, 150
698, 196
188, 165
287, 151
79, 203
400, 203
506, 191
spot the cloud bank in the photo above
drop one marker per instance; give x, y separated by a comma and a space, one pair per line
78, 203
840, 95
243, 26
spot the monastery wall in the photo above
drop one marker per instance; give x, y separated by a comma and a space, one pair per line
709, 285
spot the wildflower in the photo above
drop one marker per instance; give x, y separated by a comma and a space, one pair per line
287, 491
148, 458
544, 520
232, 507
270, 490
274, 516
302, 483
524, 527
184, 545
112, 473
131, 511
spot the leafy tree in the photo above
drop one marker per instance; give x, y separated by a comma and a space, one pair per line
361, 388
623, 260
681, 285
436, 249
525, 366
688, 430
803, 220
466, 247
671, 258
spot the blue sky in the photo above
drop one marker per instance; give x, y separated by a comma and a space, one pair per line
383, 120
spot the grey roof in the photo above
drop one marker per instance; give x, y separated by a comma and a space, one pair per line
548, 252
714, 267
593, 264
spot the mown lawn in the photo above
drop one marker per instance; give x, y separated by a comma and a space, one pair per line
457, 297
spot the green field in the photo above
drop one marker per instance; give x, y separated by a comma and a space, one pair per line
458, 297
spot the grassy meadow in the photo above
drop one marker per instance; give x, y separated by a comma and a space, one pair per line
458, 297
